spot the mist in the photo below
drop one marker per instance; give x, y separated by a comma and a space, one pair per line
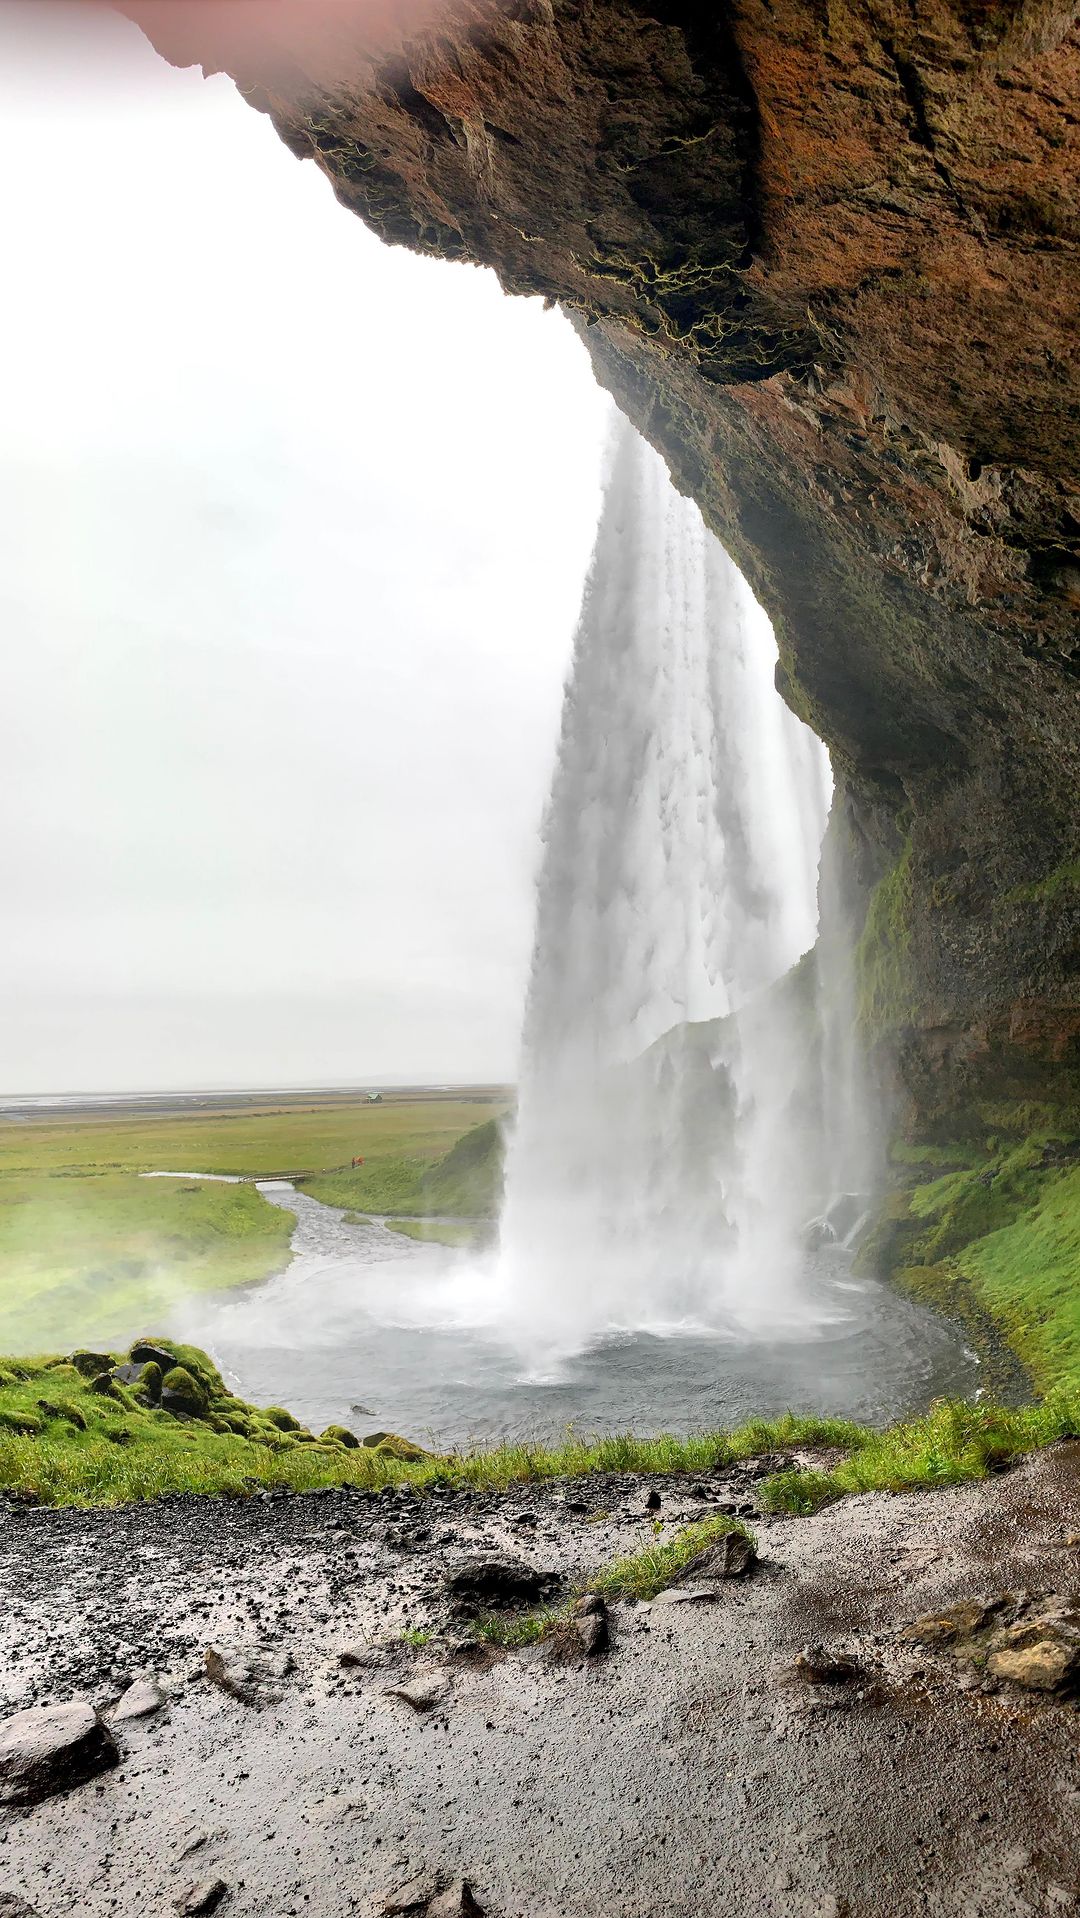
292, 534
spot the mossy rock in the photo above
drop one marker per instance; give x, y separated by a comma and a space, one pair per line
90, 1365
183, 1394
70, 1413
392, 1445
341, 1435
284, 1420
104, 1386
22, 1421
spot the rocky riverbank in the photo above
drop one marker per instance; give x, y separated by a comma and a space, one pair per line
790, 1742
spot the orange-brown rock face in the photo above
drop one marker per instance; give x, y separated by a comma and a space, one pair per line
827, 255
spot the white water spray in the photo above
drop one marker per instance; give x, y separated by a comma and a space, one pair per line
678, 883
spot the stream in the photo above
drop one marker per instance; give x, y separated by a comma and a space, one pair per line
369, 1329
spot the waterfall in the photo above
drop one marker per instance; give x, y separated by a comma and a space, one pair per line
657, 1176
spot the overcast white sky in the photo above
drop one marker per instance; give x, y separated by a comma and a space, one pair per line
293, 528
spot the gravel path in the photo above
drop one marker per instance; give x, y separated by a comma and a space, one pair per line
688, 1771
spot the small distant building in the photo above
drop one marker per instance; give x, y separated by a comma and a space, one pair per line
374, 1098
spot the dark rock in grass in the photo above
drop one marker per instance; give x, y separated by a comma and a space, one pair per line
183, 1394
817, 1666
51, 1748
425, 1691
255, 1678
198, 1901
144, 1379
104, 1385
12, 1906
91, 1365
592, 1633
145, 1352
733, 1556
481, 1583
70, 1413
1041, 1652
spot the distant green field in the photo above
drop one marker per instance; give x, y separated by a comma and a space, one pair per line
92, 1253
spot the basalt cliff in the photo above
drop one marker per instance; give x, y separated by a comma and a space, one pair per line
826, 255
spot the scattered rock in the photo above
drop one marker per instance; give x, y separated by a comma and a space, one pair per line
817, 1666
255, 1678
733, 1556
51, 1748
592, 1633
364, 1657
653, 1501
141, 1700
457, 1901
414, 1895
424, 1691
959, 1621
1042, 1653
12, 1906
489, 1584
199, 1900
686, 1595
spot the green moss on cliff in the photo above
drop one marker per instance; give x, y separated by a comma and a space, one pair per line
883, 970
995, 1243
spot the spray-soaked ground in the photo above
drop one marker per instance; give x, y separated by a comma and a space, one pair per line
365, 1319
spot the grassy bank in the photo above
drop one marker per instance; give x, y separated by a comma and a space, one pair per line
96, 1259
990, 1233
465, 1182
70, 1439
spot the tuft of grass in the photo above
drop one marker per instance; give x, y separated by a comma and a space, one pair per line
415, 1638
512, 1630
955, 1442
648, 1572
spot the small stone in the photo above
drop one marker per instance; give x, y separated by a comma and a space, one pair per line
51, 1748
733, 1556
1041, 1653
414, 1895
481, 1583
199, 1900
653, 1501
959, 1621
423, 1692
591, 1631
363, 1657
252, 1677
457, 1901
816, 1666
686, 1595
140, 1700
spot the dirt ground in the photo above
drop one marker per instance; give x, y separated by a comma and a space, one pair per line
687, 1771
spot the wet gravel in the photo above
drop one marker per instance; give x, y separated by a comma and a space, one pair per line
689, 1770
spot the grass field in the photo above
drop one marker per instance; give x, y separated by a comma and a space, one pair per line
92, 1253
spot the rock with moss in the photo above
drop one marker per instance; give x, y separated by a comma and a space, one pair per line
284, 1421
341, 1435
145, 1380
183, 1394
392, 1445
90, 1365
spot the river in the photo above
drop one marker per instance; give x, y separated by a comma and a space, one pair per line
371, 1330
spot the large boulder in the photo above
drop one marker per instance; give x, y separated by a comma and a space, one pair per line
51, 1748
148, 1352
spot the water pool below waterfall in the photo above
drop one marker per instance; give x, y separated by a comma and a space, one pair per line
364, 1318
